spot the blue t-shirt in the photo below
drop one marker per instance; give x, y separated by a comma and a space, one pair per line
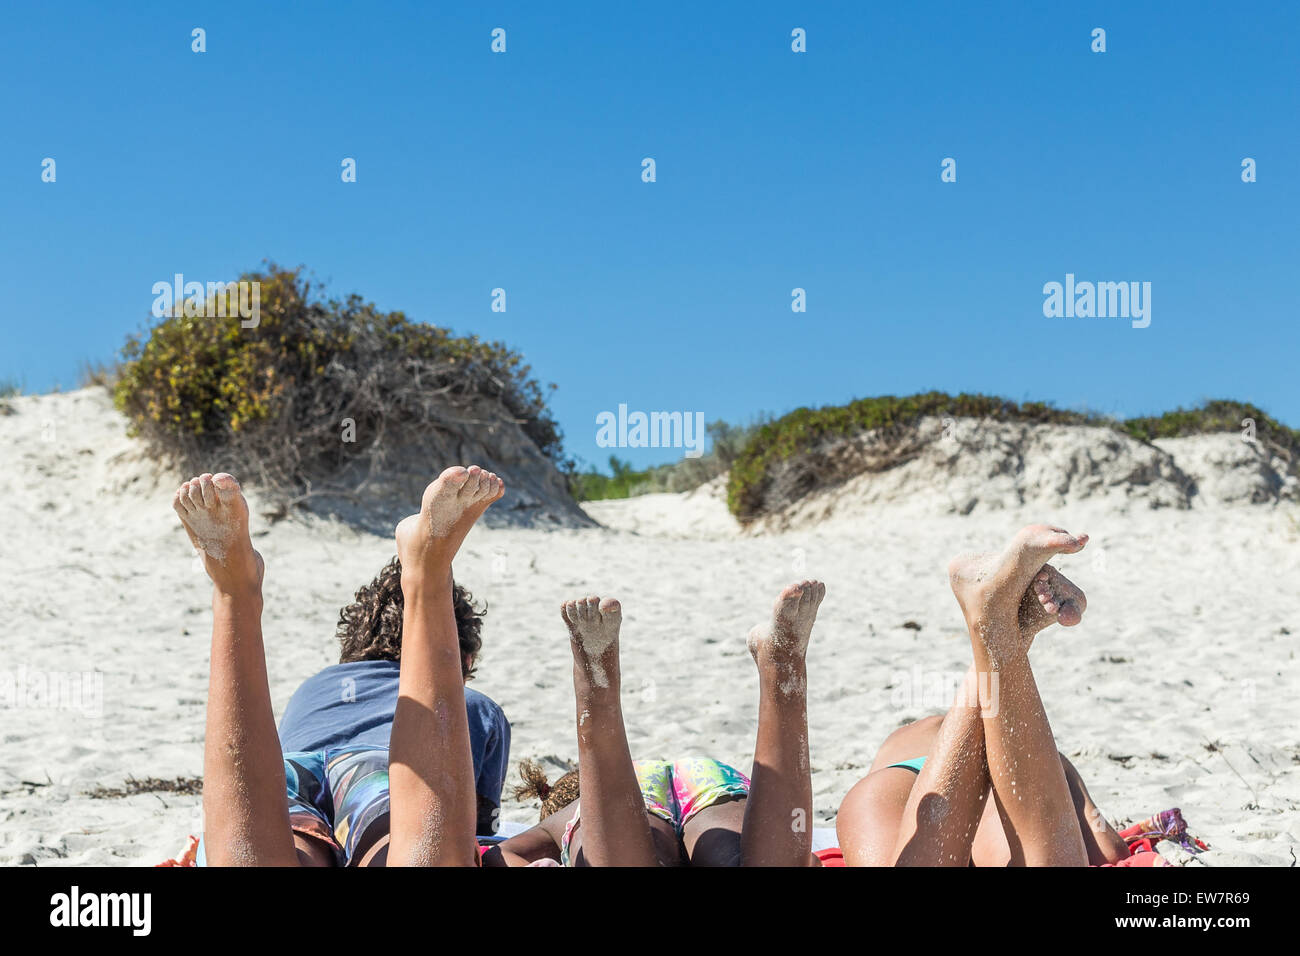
352, 704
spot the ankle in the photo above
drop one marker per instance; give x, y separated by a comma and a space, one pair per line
239, 593
424, 580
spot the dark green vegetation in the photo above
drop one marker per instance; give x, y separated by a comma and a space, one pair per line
805, 429
624, 482
1216, 415
205, 389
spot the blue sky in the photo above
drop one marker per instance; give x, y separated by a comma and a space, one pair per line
775, 170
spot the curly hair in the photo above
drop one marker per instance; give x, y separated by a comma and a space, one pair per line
555, 797
370, 628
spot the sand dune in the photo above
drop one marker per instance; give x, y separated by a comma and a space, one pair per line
1179, 688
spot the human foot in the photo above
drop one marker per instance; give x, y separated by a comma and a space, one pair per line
1051, 598
215, 516
779, 647
593, 633
426, 542
989, 585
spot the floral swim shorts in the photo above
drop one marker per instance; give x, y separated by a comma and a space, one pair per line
676, 791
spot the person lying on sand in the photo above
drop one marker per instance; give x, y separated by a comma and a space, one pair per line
249, 788
337, 725
696, 811
924, 801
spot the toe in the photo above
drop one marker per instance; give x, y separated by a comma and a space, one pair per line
225, 483
456, 476
208, 490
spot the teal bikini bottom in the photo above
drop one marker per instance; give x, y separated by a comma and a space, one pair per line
914, 765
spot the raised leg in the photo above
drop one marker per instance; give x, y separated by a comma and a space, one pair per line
431, 770
778, 812
615, 828
245, 804
1029, 784
947, 799
940, 816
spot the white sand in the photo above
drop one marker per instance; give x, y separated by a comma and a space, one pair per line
1178, 690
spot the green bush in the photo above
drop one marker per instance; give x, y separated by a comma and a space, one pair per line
804, 428
1216, 415
272, 396
590, 485
727, 441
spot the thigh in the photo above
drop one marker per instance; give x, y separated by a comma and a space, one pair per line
313, 851
871, 816
667, 845
711, 837
909, 741
1104, 845
991, 846
871, 813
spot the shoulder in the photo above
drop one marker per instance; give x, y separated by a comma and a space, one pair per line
482, 703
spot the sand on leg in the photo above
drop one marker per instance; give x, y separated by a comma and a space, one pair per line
947, 799
245, 803
1029, 783
431, 770
932, 811
615, 828
778, 811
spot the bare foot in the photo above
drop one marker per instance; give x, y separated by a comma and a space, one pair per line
780, 647
426, 542
989, 587
1051, 598
215, 516
593, 633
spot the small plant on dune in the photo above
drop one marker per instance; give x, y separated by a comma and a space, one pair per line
200, 390
1218, 415
727, 442
8, 389
592, 486
97, 375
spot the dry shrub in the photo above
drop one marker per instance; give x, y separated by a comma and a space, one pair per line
282, 398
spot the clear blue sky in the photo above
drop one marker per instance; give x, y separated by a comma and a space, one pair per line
775, 170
